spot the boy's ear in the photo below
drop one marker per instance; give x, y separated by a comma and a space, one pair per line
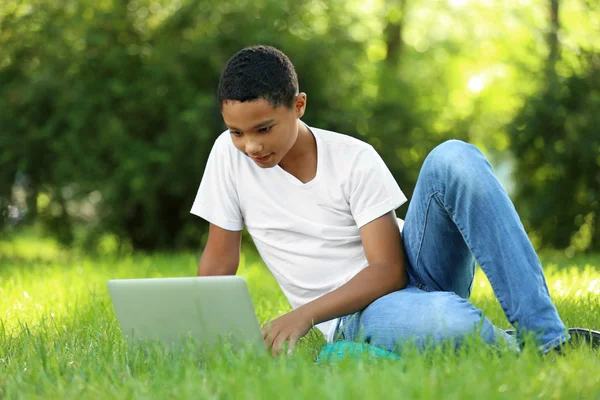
300, 105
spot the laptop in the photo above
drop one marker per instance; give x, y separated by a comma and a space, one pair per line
207, 309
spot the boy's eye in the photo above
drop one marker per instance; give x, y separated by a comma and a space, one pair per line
264, 130
234, 133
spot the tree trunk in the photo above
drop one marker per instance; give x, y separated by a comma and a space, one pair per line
393, 34
553, 42
32, 196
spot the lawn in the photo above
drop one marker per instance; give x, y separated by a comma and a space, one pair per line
59, 338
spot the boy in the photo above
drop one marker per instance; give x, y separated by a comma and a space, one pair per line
320, 205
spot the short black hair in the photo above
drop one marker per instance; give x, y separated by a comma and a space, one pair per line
259, 72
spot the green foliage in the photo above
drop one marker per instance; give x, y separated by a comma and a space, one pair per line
557, 143
107, 108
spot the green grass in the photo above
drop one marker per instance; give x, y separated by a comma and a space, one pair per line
59, 338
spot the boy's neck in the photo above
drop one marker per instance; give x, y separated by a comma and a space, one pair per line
301, 160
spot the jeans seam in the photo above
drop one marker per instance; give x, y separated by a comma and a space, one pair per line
545, 348
421, 284
450, 212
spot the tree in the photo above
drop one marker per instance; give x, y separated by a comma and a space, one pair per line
556, 142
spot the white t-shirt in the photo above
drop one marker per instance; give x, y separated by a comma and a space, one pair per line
306, 233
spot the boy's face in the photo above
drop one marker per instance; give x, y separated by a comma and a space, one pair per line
262, 132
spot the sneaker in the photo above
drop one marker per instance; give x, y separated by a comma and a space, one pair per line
585, 336
578, 336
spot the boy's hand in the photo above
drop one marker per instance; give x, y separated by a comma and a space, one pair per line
289, 327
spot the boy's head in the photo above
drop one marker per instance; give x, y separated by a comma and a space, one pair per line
260, 103
259, 72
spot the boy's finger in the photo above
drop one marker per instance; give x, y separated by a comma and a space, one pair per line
268, 338
271, 339
277, 344
266, 329
292, 345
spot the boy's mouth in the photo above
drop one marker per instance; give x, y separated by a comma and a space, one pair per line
262, 159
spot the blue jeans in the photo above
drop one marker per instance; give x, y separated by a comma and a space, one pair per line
460, 214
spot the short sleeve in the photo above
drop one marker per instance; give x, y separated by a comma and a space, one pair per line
217, 199
374, 191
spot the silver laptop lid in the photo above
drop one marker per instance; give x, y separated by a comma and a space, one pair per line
204, 308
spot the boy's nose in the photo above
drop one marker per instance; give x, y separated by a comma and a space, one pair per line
253, 148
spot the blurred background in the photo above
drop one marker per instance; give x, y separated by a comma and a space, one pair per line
108, 111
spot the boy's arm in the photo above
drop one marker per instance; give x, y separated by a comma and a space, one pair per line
221, 255
386, 273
